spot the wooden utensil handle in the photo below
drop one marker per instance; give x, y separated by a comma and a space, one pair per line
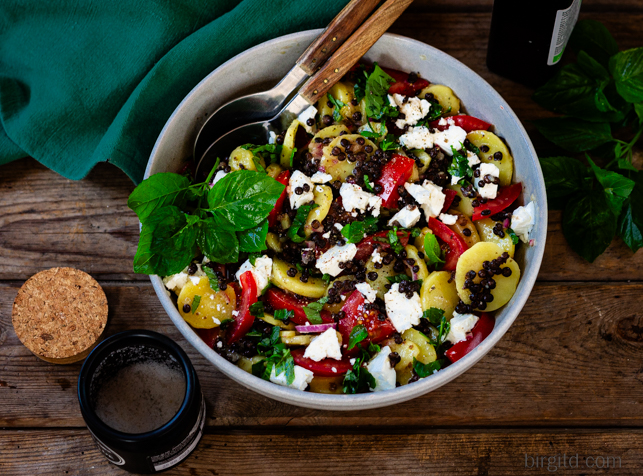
353, 49
345, 23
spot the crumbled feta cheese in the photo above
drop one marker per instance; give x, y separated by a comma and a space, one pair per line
448, 219
308, 114
175, 282
417, 138
339, 226
321, 177
406, 217
382, 371
220, 344
272, 137
489, 190
429, 196
404, 313
325, 345
446, 121
453, 136
261, 271
461, 324
328, 263
235, 313
413, 109
367, 291
376, 257
354, 198
302, 378
298, 180
218, 176
472, 158
326, 235
195, 280
522, 221
352, 361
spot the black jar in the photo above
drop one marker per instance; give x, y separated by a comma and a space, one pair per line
156, 450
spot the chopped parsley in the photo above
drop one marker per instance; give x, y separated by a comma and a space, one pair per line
277, 357
357, 335
514, 238
195, 303
283, 314
368, 184
394, 241
214, 281
355, 231
298, 222
424, 370
337, 115
460, 166
257, 309
313, 310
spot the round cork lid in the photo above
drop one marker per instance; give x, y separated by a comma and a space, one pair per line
59, 314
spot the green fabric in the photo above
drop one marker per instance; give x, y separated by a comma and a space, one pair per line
85, 81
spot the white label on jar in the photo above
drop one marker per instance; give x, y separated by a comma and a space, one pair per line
183, 449
109, 453
565, 21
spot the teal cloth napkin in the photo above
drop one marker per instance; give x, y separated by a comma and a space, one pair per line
87, 81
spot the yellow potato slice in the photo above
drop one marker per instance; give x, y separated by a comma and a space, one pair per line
324, 198
464, 223
427, 352
485, 230
438, 292
464, 205
241, 159
213, 307
445, 96
314, 288
340, 169
331, 385
482, 139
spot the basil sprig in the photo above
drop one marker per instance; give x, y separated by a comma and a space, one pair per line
601, 95
179, 217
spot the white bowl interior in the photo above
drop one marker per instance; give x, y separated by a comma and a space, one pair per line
260, 68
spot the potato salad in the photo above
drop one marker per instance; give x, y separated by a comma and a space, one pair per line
363, 248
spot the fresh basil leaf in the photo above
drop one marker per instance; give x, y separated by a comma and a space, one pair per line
375, 94
574, 135
337, 105
432, 251
259, 368
283, 314
254, 239
593, 37
459, 165
313, 310
244, 198
167, 243
299, 221
389, 143
359, 379
564, 176
373, 349
357, 335
589, 224
514, 238
327, 278
355, 231
617, 187
625, 164
270, 153
627, 69
286, 364
424, 370
394, 241
257, 309
157, 191
434, 315
196, 300
214, 281
368, 184
630, 226
398, 278
638, 108
218, 241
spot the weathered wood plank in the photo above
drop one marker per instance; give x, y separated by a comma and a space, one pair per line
573, 358
317, 453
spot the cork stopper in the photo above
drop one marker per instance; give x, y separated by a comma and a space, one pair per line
59, 314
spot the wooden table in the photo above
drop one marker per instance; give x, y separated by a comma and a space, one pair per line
567, 377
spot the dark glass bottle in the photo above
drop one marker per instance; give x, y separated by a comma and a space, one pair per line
528, 37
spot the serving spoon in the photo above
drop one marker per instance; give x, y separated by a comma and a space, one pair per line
264, 105
316, 87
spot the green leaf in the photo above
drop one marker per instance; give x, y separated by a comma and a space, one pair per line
627, 69
389, 143
434, 315
368, 184
313, 310
630, 226
157, 191
167, 243
214, 281
638, 108
424, 370
327, 278
254, 239
244, 198
394, 241
357, 335
564, 176
589, 224
514, 238
376, 91
270, 153
574, 135
337, 105
373, 349
257, 309
299, 221
625, 164
593, 37
283, 314
196, 300
432, 251
218, 241
459, 165
359, 379
617, 187
355, 231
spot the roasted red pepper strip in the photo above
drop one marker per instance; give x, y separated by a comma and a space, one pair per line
449, 197
468, 123
279, 299
356, 314
456, 245
402, 85
282, 178
209, 336
323, 368
243, 320
367, 245
395, 173
506, 196
480, 331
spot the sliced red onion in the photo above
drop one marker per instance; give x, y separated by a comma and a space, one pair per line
316, 328
532, 242
414, 275
506, 223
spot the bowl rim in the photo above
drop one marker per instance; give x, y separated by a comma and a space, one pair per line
342, 402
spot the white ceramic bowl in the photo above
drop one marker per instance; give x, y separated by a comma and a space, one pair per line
260, 68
